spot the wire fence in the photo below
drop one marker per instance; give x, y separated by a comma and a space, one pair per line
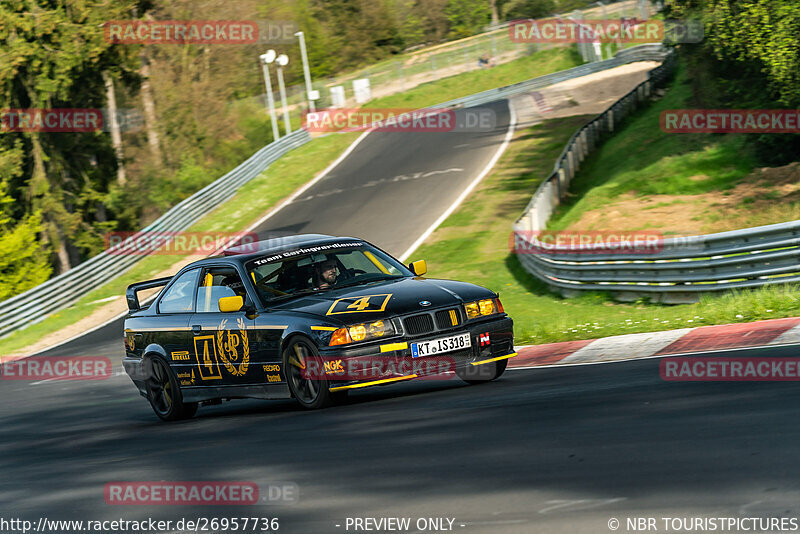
449, 59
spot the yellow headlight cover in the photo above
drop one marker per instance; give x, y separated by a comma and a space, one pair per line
487, 306
377, 329
358, 332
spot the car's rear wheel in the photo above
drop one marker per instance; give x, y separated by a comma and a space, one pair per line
165, 395
303, 373
480, 374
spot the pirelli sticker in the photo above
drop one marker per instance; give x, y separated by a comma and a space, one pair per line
181, 355
364, 303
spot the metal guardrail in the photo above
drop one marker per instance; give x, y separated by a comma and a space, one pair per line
65, 289
678, 269
60, 291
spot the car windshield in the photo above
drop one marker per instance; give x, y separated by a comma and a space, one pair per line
292, 273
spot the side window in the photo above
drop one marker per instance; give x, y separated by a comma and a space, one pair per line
178, 298
215, 284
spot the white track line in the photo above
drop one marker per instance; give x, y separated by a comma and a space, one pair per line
303, 189
470, 187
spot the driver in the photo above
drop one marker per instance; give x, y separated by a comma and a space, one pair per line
326, 273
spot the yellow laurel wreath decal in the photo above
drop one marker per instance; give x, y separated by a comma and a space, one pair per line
228, 349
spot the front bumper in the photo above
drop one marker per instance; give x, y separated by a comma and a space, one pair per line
392, 361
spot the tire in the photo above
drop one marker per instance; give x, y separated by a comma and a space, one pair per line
309, 392
165, 395
481, 374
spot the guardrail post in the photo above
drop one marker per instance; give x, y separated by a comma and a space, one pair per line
563, 184
611, 120
541, 215
585, 143
567, 168
571, 164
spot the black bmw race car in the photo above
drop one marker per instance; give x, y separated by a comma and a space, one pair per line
309, 317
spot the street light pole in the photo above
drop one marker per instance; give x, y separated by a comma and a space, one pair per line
282, 61
306, 71
266, 59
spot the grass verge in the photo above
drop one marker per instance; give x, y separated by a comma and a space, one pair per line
467, 83
698, 183
249, 204
473, 245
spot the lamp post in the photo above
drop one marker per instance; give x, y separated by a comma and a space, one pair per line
282, 61
306, 71
266, 59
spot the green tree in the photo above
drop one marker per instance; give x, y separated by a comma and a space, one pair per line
528, 9
750, 58
24, 261
54, 55
467, 17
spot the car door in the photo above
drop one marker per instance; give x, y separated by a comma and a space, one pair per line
170, 328
222, 341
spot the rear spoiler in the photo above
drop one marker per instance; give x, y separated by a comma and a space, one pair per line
132, 293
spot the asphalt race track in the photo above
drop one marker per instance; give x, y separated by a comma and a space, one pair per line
394, 185
389, 190
560, 449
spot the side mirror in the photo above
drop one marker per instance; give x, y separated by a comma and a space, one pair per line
230, 304
418, 267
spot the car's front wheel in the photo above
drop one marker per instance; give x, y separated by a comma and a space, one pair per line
303, 367
165, 395
480, 374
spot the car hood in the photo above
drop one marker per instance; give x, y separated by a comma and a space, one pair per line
405, 295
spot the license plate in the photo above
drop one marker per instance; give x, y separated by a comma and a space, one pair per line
441, 345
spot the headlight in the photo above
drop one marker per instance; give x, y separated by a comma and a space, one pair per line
483, 307
362, 332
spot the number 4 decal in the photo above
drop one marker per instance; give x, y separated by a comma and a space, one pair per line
361, 303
